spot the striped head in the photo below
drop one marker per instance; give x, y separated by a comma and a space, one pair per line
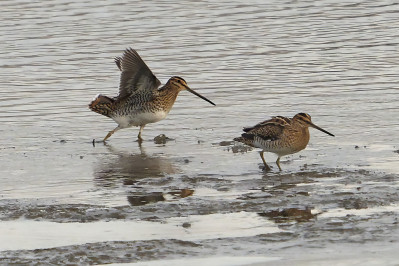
180, 84
304, 120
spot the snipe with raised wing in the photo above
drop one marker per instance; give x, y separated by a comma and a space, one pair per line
140, 101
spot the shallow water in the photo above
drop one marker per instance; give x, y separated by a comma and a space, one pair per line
63, 200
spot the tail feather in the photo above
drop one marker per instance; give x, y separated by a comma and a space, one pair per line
102, 105
246, 139
239, 139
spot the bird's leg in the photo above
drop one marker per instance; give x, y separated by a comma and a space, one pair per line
141, 130
267, 168
110, 133
278, 163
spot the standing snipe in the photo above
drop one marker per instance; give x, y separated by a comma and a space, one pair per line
140, 101
280, 135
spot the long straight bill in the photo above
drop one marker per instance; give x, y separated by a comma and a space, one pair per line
322, 130
199, 95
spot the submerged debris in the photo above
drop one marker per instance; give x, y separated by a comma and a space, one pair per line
289, 214
145, 199
226, 143
153, 197
234, 146
161, 139
241, 148
62, 141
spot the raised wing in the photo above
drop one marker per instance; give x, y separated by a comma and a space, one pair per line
118, 60
268, 130
136, 75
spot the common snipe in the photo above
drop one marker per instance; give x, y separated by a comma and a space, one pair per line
140, 100
280, 135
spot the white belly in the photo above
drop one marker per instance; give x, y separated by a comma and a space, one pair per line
274, 147
139, 119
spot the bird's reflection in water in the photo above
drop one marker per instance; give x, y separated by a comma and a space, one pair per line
143, 199
131, 168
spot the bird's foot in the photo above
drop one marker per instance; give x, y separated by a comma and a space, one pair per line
265, 168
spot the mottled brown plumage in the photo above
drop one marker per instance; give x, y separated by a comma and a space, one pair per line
140, 100
280, 135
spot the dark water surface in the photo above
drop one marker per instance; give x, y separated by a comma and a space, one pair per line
200, 198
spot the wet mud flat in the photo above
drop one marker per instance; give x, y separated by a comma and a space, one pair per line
193, 196
164, 213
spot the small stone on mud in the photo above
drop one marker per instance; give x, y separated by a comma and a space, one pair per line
182, 193
186, 225
303, 193
161, 139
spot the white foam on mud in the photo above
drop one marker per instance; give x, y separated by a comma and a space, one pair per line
25, 234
